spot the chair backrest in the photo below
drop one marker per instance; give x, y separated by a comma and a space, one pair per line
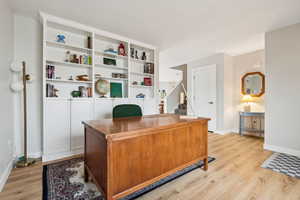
127, 110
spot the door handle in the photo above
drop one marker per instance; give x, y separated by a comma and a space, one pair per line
211, 102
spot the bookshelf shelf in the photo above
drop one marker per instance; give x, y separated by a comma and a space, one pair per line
141, 86
114, 79
69, 81
142, 74
110, 55
69, 99
67, 64
67, 46
112, 67
140, 61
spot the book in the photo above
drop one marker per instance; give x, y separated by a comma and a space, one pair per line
115, 90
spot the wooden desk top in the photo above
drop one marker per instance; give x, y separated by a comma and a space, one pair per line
130, 125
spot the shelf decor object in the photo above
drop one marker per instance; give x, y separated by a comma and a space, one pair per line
102, 87
116, 90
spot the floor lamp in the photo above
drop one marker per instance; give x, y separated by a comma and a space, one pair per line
18, 87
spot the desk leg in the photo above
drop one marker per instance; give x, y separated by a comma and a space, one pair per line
86, 175
241, 125
205, 161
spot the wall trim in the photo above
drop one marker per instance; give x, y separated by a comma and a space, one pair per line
6, 174
282, 150
57, 156
30, 155
35, 155
224, 132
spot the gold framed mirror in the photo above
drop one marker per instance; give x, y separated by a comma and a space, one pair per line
253, 84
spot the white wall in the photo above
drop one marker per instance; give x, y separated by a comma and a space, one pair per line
228, 93
166, 74
224, 95
283, 90
28, 47
249, 62
6, 105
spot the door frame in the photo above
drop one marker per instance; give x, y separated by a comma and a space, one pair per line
192, 89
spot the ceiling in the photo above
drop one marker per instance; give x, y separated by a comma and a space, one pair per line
216, 25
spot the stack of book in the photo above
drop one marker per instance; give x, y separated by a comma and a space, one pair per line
50, 71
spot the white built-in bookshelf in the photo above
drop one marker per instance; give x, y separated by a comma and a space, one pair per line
64, 69
68, 100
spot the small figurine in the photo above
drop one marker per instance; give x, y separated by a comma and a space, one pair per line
68, 56
55, 92
71, 78
144, 57
136, 54
60, 38
132, 52
74, 59
121, 50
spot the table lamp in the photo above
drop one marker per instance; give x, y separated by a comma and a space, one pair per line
247, 99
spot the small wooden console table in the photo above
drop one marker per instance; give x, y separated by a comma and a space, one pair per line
252, 122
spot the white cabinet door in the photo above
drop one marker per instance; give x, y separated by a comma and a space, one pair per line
57, 126
81, 110
103, 109
116, 102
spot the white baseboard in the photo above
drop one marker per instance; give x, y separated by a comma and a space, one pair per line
57, 156
30, 155
224, 132
35, 155
5, 175
282, 150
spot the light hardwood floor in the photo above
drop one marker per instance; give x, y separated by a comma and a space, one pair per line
236, 174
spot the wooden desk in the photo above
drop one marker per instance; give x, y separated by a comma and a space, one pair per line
126, 154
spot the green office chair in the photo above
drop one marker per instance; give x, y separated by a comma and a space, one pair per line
127, 110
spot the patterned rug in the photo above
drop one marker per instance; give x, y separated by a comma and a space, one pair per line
283, 163
65, 181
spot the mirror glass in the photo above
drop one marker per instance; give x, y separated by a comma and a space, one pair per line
253, 84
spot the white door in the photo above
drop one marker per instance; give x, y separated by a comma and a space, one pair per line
57, 126
204, 94
81, 110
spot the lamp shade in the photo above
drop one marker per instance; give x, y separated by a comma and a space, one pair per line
16, 67
247, 98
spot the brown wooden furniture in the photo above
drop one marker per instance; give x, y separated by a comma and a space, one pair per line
126, 154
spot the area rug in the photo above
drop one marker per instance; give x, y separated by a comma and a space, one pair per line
64, 181
283, 163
